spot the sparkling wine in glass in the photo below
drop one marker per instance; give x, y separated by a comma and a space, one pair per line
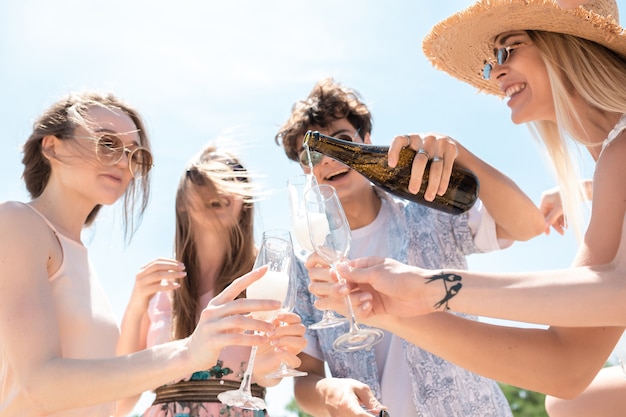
277, 253
289, 301
334, 248
296, 187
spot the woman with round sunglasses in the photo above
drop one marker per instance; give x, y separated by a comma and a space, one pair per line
58, 334
566, 79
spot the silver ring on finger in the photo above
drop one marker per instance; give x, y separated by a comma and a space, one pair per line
437, 159
423, 152
408, 141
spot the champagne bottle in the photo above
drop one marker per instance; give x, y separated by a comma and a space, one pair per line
371, 162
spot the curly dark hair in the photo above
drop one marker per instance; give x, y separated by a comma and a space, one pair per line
328, 101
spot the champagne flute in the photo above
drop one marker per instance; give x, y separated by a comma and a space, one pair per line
332, 242
296, 187
277, 253
289, 302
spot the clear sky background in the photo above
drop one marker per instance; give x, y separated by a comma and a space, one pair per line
229, 71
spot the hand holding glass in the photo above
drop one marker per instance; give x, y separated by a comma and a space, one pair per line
330, 235
277, 253
296, 188
289, 301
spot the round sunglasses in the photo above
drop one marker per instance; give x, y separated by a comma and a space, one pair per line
110, 150
501, 56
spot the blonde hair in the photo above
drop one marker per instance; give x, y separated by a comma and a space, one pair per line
594, 73
210, 174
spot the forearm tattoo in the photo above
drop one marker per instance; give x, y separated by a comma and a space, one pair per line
452, 284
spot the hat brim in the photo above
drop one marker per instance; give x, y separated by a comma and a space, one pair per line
460, 44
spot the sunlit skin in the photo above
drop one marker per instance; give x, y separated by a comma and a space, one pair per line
355, 191
523, 78
563, 359
212, 221
212, 214
336, 396
352, 188
79, 177
35, 338
214, 210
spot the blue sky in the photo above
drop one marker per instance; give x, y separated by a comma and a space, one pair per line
229, 72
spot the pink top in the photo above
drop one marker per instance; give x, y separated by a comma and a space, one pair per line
87, 326
160, 331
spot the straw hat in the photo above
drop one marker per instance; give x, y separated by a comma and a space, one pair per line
462, 43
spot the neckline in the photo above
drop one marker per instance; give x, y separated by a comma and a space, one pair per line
54, 229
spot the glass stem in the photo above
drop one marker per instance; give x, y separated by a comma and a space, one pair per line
246, 382
354, 325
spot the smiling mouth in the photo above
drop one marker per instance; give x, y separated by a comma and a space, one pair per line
514, 89
337, 175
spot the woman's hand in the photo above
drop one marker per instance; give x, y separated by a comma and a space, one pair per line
382, 286
148, 282
284, 344
226, 321
159, 275
323, 284
441, 149
551, 206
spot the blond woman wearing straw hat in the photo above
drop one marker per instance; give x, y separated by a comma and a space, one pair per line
563, 72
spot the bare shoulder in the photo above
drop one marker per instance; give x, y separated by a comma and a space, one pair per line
13, 207
22, 229
610, 166
608, 203
17, 214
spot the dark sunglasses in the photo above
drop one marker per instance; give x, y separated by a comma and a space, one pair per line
501, 56
316, 157
110, 150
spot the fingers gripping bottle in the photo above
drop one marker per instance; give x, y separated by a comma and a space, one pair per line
371, 162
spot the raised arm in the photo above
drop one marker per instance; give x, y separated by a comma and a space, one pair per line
559, 361
387, 287
515, 214
31, 336
158, 275
583, 302
551, 206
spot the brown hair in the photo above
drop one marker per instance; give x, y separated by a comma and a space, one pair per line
61, 120
210, 174
328, 101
